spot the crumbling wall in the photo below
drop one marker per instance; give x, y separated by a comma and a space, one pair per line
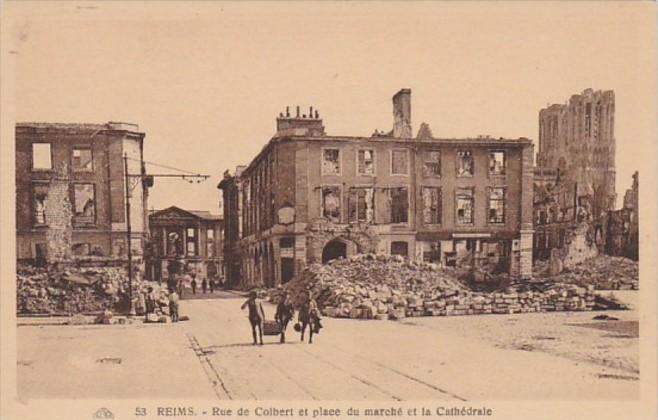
579, 245
59, 214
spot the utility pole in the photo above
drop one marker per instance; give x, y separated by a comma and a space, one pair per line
129, 187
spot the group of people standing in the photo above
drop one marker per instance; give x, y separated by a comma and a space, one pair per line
181, 277
205, 283
309, 315
151, 303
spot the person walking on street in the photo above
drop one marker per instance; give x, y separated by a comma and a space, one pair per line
173, 305
204, 285
173, 268
284, 313
211, 284
193, 284
309, 315
180, 285
149, 302
256, 316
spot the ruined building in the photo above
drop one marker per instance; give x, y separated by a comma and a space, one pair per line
578, 138
309, 197
192, 237
575, 178
623, 231
70, 190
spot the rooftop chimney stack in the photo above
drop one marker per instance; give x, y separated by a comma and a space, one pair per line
301, 124
402, 114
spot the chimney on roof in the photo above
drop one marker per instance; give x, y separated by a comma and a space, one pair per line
300, 125
402, 114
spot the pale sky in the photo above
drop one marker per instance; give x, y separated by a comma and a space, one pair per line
205, 82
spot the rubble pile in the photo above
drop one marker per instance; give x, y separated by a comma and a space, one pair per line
69, 289
604, 272
382, 287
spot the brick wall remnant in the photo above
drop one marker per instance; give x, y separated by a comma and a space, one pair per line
402, 114
59, 214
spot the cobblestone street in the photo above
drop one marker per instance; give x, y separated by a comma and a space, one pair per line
438, 358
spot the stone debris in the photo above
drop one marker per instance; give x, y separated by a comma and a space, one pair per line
105, 318
603, 272
152, 317
77, 320
379, 287
76, 290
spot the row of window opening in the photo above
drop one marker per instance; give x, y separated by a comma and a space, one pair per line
361, 205
331, 162
81, 157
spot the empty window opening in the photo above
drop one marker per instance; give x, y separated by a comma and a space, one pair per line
497, 205
432, 164
400, 248
399, 205
331, 203
497, 163
399, 162
41, 158
331, 162
39, 197
464, 163
431, 205
464, 206
362, 205
85, 202
82, 159
366, 162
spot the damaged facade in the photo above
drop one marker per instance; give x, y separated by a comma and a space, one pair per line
578, 139
70, 190
574, 200
309, 197
195, 237
623, 233
564, 227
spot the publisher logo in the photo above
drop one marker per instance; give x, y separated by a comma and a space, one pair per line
103, 413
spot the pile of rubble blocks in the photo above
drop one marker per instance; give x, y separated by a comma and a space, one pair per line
603, 272
389, 287
69, 289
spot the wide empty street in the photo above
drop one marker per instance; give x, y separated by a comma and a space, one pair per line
496, 357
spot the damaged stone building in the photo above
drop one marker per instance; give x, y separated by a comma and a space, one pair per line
192, 237
70, 190
309, 197
574, 178
623, 230
577, 139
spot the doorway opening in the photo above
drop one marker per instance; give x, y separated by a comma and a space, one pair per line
334, 249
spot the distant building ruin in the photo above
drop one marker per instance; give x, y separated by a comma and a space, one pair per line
578, 139
574, 178
71, 177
